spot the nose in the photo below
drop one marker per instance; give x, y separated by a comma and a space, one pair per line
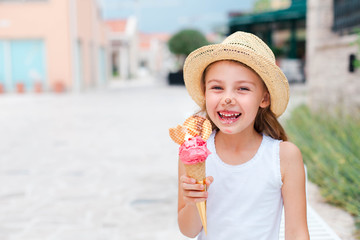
228, 100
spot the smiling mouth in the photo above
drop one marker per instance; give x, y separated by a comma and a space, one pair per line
229, 116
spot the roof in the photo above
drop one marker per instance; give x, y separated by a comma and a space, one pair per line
146, 38
117, 25
122, 27
296, 11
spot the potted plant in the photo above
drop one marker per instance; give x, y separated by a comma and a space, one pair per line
20, 87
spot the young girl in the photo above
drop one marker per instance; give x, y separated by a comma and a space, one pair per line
253, 171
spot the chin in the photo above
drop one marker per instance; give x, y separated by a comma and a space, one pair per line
227, 130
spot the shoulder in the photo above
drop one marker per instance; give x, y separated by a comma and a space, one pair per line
290, 158
289, 150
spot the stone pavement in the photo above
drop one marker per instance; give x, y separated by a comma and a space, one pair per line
96, 166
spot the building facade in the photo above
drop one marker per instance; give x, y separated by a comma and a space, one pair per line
334, 84
154, 54
134, 54
52, 45
124, 47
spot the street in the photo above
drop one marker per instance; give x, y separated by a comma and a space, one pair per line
96, 165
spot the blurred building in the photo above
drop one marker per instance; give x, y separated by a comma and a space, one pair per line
283, 30
52, 45
154, 53
334, 83
124, 50
135, 54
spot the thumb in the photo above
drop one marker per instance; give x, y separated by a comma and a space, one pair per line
208, 181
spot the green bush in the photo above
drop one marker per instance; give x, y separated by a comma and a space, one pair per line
357, 43
331, 151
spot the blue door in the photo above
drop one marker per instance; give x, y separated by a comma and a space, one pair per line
2, 62
27, 62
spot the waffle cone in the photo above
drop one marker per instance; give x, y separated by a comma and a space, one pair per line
178, 134
201, 207
198, 126
196, 171
192, 127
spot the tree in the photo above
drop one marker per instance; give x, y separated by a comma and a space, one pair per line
262, 5
269, 5
184, 42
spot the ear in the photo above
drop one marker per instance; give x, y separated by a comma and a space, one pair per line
265, 102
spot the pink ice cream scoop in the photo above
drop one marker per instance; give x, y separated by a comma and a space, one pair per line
193, 151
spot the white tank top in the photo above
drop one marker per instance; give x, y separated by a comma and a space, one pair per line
245, 200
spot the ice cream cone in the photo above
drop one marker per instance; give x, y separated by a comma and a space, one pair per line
193, 129
201, 207
197, 171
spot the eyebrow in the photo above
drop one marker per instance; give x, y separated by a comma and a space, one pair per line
238, 81
213, 80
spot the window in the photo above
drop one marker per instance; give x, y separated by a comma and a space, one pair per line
346, 15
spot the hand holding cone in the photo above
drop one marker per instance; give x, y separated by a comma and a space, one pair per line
191, 137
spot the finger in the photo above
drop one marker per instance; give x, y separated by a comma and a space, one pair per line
196, 194
194, 187
186, 179
194, 200
208, 181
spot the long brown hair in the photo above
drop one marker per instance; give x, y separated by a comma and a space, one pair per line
265, 121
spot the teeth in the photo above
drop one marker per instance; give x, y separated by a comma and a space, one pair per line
230, 115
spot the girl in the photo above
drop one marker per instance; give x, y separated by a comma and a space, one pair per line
253, 171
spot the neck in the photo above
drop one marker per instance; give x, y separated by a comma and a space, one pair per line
239, 141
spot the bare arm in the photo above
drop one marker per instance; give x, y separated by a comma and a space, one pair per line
293, 192
189, 193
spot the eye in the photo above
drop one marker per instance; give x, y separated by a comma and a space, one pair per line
216, 87
243, 89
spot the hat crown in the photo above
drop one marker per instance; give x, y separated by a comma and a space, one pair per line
250, 42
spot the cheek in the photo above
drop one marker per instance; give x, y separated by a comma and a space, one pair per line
211, 102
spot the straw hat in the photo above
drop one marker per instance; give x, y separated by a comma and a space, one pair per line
248, 49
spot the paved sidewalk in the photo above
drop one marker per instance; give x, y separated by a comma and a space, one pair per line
91, 166
94, 166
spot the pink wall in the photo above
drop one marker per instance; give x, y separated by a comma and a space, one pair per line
43, 20
51, 21
91, 34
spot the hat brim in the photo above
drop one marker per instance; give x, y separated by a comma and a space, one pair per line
270, 73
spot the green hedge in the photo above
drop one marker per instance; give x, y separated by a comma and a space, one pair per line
331, 151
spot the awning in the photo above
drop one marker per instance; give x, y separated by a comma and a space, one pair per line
297, 11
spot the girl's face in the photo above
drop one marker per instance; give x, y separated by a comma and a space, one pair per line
233, 95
